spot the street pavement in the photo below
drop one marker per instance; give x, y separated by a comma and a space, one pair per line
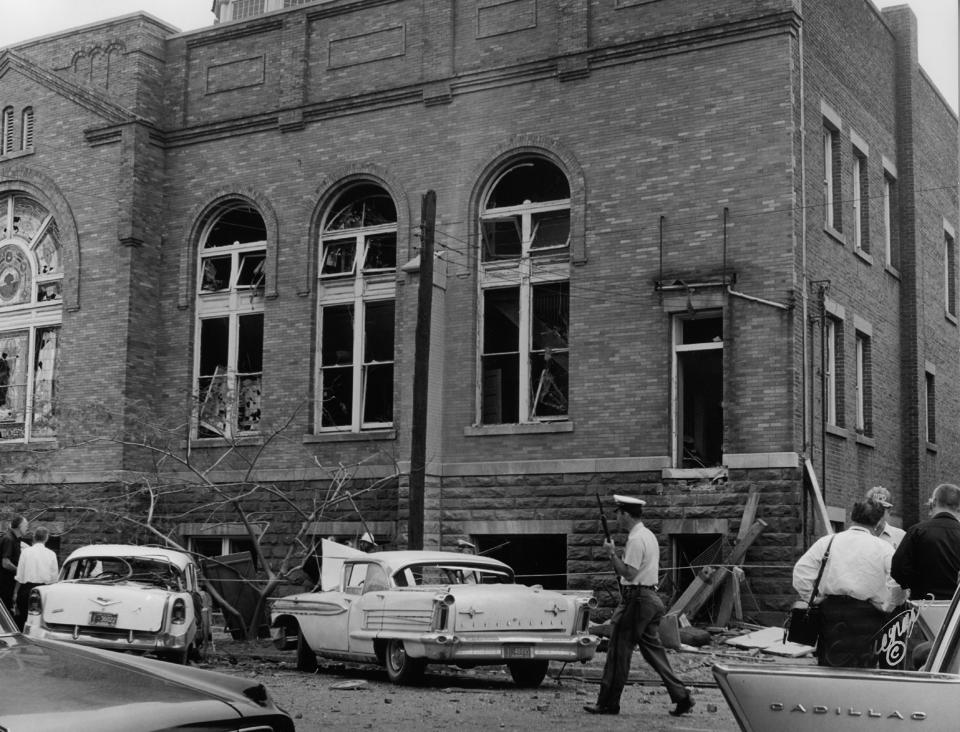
348, 696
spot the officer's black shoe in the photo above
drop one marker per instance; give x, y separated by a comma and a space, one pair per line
597, 709
683, 707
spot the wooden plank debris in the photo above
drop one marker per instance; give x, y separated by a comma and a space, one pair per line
819, 507
707, 587
730, 603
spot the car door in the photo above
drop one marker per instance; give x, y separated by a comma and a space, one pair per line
366, 615
344, 611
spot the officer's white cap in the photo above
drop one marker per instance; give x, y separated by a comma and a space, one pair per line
368, 538
628, 500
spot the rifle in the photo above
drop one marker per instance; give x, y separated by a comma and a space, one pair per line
603, 518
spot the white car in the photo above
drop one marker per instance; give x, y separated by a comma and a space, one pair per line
125, 598
405, 609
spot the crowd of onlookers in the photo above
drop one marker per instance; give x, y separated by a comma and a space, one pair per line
23, 567
868, 573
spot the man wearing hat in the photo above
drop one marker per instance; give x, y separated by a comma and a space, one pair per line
893, 535
366, 543
636, 621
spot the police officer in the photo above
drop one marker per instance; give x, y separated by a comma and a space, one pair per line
636, 621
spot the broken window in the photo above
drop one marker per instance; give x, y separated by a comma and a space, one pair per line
229, 361
698, 347
357, 290
524, 280
31, 277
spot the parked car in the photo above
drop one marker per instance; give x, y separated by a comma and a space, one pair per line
127, 598
812, 698
405, 609
50, 686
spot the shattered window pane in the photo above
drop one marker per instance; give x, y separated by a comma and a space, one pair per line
338, 257
48, 252
48, 291
549, 360
250, 344
534, 181
251, 269
240, 225
337, 363
378, 334
551, 315
16, 276
337, 338
502, 238
501, 320
28, 216
216, 274
214, 342
13, 383
378, 393
248, 403
249, 371
702, 330
378, 362
381, 252
549, 373
213, 388
501, 359
551, 229
45, 382
362, 206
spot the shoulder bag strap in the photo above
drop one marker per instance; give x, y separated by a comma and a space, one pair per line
823, 565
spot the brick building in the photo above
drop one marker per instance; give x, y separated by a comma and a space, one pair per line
682, 253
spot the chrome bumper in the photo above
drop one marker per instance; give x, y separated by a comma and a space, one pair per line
467, 648
134, 641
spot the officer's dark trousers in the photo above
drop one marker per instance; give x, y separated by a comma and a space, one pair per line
636, 621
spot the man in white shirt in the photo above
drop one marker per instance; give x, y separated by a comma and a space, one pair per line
887, 531
37, 566
856, 593
636, 621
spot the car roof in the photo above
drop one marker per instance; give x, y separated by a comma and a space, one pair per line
402, 558
131, 550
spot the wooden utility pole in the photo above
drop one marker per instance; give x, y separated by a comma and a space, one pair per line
421, 373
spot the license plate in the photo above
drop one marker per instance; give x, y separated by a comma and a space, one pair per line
108, 619
517, 652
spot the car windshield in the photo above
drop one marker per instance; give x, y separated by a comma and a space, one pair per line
155, 571
417, 575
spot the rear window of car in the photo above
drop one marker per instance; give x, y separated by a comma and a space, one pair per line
448, 574
143, 570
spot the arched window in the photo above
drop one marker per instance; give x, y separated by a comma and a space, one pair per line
26, 129
525, 294
31, 310
357, 290
6, 131
228, 363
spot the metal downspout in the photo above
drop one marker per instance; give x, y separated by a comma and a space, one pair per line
806, 399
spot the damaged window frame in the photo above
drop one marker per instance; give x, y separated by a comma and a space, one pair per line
690, 450
525, 268
363, 290
31, 315
230, 288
